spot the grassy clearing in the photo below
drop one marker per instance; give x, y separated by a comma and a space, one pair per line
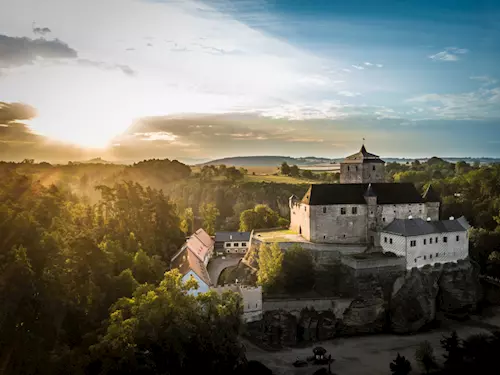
285, 235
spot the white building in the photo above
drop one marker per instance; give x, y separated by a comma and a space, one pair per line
232, 242
251, 300
190, 266
424, 242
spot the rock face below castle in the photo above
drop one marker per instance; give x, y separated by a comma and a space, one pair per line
407, 305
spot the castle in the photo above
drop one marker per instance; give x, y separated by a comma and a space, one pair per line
361, 208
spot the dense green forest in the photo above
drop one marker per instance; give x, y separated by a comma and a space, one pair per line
84, 249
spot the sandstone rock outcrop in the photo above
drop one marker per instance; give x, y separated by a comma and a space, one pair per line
365, 314
459, 288
413, 301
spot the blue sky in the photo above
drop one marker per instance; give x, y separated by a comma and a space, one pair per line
415, 78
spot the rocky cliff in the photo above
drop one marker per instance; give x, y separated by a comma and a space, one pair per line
412, 304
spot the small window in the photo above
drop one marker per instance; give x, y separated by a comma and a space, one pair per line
372, 240
348, 168
436, 240
243, 244
228, 244
356, 168
445, 239
342, 211
415, 260
430, 240
236, 244
385, 239
383, 219
373, 168
437, 255
305, 208
371, 212
425, 258
324, 210
354, 210
390, 240
425, 241
430, 256
458, 238
413, 243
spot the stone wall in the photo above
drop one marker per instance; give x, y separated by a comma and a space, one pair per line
337, 305
361, 172
328, 225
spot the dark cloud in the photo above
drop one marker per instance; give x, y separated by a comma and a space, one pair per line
10, 112
41, 30
22, 51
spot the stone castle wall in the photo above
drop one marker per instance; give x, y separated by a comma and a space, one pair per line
328, 225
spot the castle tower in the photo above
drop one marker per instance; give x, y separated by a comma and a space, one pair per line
432, 203
371, 227
362, 167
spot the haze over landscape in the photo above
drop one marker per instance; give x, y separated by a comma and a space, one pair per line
129, 80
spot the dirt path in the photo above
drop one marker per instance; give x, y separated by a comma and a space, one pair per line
369, 354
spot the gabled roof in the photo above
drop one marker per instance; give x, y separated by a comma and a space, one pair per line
200, 243
232, 236
186, 261
431, 195
363, 156
386, 193
420, 227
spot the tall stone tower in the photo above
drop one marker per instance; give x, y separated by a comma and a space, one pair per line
362, 167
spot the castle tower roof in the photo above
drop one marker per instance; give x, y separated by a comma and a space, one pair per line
363, 156
431, 195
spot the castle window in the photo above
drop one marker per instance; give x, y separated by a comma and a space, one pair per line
437, 254
348, 168
430, 240
373, 167
445, 239
413, 243
436, 240
356, 168
342, 211
390, 240
458, 238
385, 239
425, 241
383, 219
415, 260
228, 244
236, 244
354, 210
243, 244
324, 237
324, 210
305, 208
425, 258
430, 256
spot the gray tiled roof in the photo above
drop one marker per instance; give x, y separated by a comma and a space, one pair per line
232, 236
419, 227
386, 193
363, 156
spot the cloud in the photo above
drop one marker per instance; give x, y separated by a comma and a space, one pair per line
107, 66
485, 80
368, 64
359, 67
348, 93
449, 54
18, 141
483, 103
380, 66
22, 51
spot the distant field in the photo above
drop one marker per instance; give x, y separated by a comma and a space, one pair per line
279, 179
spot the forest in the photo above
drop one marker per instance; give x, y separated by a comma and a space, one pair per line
85, 248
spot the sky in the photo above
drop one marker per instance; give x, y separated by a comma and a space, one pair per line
195, 80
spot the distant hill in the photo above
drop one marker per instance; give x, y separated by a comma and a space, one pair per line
93, 161
267, 161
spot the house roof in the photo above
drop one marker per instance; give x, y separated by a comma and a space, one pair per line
187, 261
232, 236
420, 227
200, 243
386, 193
363, 156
